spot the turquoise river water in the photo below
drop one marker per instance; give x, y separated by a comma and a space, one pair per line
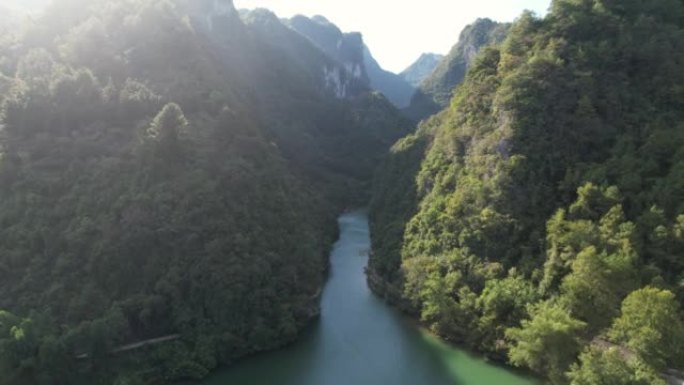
360, 340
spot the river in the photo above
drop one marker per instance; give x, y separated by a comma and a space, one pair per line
360, 340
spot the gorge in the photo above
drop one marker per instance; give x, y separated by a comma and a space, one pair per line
172, 174
360, 340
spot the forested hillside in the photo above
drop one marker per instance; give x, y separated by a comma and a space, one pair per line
167, 169
544, 219
436, 90
397, 89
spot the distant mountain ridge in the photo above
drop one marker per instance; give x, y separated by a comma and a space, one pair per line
417, 72
344, 48
437, 89
397, 90
350, 50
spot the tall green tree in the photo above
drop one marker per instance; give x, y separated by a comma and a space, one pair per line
651, 325
167, 129
610, 367
548, 341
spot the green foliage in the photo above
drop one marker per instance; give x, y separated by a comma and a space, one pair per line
503, 304
609, 367
446, 301
166, 131
435, 92
547, 342
651, 325
597, 284
395, 203
161, 175
560, 155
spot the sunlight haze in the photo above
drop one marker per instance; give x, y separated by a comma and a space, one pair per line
231, 192
398, 32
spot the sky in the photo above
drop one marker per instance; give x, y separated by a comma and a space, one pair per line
23, 4
398, 32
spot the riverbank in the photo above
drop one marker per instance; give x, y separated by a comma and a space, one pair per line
359, 339
392, 295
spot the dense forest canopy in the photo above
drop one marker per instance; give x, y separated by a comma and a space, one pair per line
544, 223
168, 169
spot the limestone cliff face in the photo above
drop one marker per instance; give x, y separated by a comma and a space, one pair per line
333, 70
348, 74
345, 48
357, 63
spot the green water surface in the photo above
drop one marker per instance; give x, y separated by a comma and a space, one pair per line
359, 340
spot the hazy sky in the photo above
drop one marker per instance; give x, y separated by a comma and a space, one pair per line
397, 32
23, 4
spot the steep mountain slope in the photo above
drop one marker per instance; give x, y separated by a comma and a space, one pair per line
345, 48
396, 89
168, 170
349, 49
421, 68
311, 130
548, 200
436, 90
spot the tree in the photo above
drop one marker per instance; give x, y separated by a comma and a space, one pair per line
503, 304
595, 219
592, 201
565, 239
29, 351
610, 367
137, 100
595, 252
651, 325
548, 341
597, 284
168, 123
166, 130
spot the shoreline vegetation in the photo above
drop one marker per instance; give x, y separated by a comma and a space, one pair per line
542, 208
357, 339
171, 172
170, 168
